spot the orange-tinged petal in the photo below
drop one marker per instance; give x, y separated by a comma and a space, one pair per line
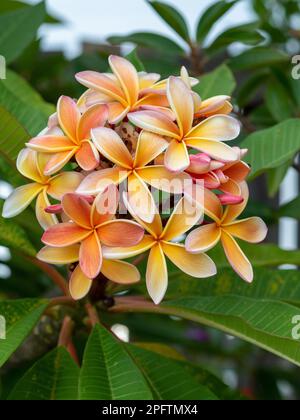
203, 238
66, 182
77, 209
58, 161
117, 112
195, 265
64, 234
90, 256
98, 181
153, 101
213, 148
176, 157
237, 258
105, 206
217, 127
181, 102
59, 256
252, 230
185, 215
212, 105
93, 97
238, 171
162, 110
27, 165
80, 284
87, 156
127, 77
50, 144
157, 274
158, 176
120, 233
110, 145
149, 146
155, 122
140, 198
206, 199
20, 199
95, 116
68, 116
233, 212
45, 219
120, 272
147, 80
102, 83
127, 252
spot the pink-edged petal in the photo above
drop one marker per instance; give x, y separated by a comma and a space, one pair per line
80, 284
207, 200
45, 219
231, 187
127, 252
212, 105
66, 182
233, 212
120, 272
147, 80
158, 176
77, 209
20, 199
203, 238
155, 102
64, 234
162, 110
57, 161
154, 122
50, 144
87, 156
95, 116
92, 97
236, 257
110, 145
215, 149
59, 256
181, 102
68, 116
253, 229
157, 274
102, 83
199, 164
117, 112
97, 182
127, 77
195, 265
176, 157
120, 233
185, 215
238, 171
105, 205
140, 198
27, 165
149, 146
217, 127
90, 256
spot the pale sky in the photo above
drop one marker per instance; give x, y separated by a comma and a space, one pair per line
95, 20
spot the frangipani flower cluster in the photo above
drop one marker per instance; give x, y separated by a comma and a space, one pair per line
101, 167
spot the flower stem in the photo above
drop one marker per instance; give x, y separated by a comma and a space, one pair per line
92, 313
55, 276
65, 338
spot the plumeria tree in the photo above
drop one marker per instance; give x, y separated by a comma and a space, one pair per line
130, 211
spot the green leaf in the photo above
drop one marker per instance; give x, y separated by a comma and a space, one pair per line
18, 28
291, 209
258, 57
14, 236
278, 101
247, 90
108, 372
9, 5
210, 17
272, 147
173, 379
135, 60
148, 40
21, 316
275, 177
172, 17
54, 377
218, 82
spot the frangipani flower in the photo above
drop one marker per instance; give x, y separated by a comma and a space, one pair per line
124, 91
160, 242
31, 164
207, 136
92, 227
226, 228
117, 271
73, 138
134, 169
213, 106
